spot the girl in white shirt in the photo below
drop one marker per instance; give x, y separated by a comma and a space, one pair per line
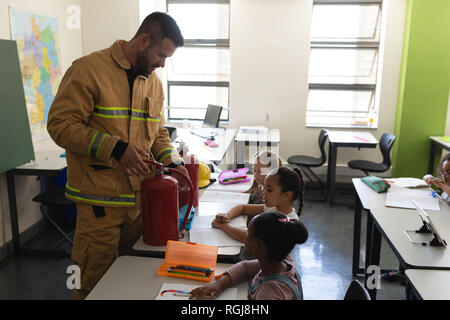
444, 185
282, 188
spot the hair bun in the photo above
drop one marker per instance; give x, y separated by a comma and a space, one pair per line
298, 233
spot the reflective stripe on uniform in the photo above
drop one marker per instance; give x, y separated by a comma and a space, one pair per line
123, 199
164, 153
124, 113
111, 112
96, 142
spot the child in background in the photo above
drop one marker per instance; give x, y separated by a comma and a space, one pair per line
273, 276
263, 163
283, 187
444, 185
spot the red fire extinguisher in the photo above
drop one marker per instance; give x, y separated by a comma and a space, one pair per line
160, 206
191, 163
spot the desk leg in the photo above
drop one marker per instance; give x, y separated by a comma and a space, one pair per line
13, 211
431, 157
356, 235
331, 173
367, 259
373, 249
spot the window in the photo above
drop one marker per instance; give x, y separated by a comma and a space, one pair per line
343, 63
199, 73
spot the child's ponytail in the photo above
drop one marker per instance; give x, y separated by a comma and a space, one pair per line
300, 191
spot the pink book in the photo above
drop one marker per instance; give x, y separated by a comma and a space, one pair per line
234, 176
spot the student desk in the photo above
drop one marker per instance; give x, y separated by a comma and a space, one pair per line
136, 278
367, 199
228, 254
391, 223
48, 164
344, 139
428, 284
271, 138
436, 142
196, 144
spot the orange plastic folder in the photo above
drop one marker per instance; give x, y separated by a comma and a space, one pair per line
189, 260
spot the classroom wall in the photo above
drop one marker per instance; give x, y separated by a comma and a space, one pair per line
269, 69
424, 85
70, 48
105, 21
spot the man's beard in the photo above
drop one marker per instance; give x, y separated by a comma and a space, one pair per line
143, 64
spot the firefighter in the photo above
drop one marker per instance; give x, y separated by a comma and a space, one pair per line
108, 115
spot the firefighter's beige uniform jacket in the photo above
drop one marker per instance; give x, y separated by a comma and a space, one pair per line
92, 111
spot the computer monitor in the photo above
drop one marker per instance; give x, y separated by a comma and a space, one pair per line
212, 116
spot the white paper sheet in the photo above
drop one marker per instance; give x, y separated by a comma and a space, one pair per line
401, 198
223, 196
213, 208
204, 222
227, 294
213, 237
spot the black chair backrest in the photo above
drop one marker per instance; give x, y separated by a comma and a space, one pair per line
386, 143
356, 292
322, 138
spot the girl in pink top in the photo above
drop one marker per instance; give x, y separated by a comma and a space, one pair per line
273, 276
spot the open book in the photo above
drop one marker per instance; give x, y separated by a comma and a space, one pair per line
407, 182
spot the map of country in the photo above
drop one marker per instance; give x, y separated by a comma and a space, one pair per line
37, 42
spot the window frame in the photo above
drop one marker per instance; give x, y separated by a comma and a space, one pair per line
357, 44
200, 43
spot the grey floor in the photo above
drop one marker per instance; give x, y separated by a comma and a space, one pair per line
324, 261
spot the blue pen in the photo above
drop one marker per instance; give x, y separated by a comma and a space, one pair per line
435, 194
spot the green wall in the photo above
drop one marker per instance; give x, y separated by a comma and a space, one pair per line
424, 85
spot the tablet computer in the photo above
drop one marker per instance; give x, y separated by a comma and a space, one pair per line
429, 224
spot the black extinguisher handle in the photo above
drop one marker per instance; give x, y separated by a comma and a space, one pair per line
191, 201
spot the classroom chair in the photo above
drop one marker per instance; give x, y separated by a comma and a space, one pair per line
55, 205
356, 291
386, 142
306, 163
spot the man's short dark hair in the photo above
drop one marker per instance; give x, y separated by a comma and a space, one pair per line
159, 25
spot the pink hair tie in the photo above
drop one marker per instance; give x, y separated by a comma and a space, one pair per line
284, 219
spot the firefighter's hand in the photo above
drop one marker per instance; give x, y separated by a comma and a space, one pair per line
183, 169
132, 161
